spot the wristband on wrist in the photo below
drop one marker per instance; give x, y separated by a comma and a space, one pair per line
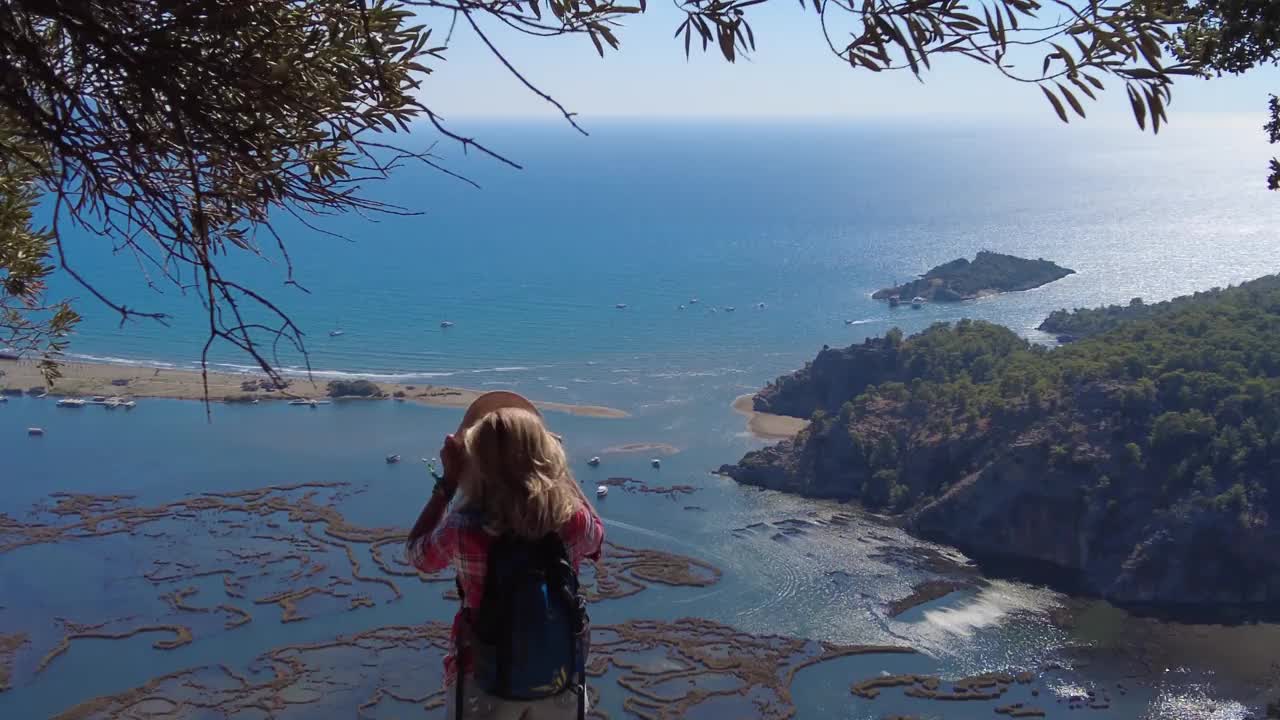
443, 487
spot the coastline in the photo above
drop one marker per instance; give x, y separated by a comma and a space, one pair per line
87, 379
767, 426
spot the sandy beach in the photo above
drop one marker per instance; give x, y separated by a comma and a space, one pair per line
767, 426
88, 379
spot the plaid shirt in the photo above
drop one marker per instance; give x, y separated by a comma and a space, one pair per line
461, 541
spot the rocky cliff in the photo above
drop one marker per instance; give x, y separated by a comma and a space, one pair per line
1095, 474
829, 380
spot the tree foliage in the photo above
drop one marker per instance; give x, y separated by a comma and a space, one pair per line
1231, 36
179, 132
29, 323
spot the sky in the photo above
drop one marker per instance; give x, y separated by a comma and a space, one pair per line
792, 74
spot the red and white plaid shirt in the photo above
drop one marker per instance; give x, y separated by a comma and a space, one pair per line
462, 541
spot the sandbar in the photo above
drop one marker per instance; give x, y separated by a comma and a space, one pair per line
88, 379
643, 447
768, 426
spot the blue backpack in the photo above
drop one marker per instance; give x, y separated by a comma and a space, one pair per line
529, 637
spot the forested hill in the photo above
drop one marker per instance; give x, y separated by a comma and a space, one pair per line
988, 273
1084, 322
1143, 462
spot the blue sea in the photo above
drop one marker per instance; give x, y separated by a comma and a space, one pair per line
791, 225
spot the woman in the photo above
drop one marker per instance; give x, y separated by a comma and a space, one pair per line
513, 480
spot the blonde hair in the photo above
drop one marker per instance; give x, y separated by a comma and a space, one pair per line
517, 475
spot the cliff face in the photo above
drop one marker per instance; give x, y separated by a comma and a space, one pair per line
1053, 484
1021, 508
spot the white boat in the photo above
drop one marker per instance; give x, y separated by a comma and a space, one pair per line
129, 404
760, 305
693, 301
446, 324
602, 490
4, 398
848, 322
917, 302
303, 402
71, 403
35, 431
593, 462
98, 398
621, 306
730, 308
679, 307
393, 459
655, 462
336, 333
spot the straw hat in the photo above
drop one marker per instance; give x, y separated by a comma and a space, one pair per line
491, 401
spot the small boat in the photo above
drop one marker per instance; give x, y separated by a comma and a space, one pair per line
446, 324
129, 404
656, 462
602, 490
71, 403
393, 459
35, 431
621, 306
917, 302
693, 301
848, 322
336, 333
894, 301
98, 398
730, 308
679, 307
760, 305
594, 462
312, 403
4, 398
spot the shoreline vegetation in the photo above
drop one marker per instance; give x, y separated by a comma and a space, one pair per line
136, 381
767, 426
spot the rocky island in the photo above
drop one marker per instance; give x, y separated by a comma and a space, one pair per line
989, 273
1141, 464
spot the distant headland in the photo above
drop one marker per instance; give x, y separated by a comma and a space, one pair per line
989, 273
